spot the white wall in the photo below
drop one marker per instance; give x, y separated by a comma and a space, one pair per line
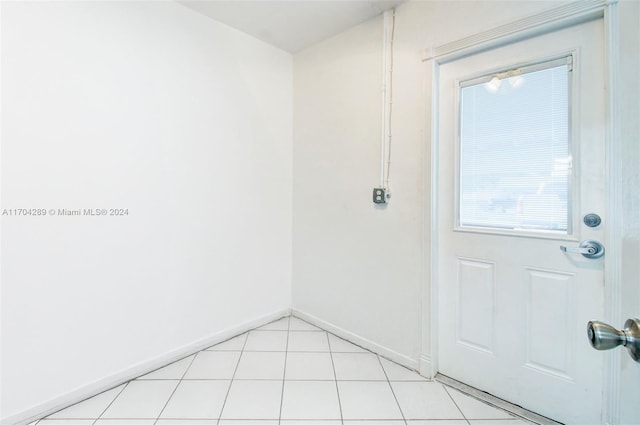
630, 170
152, 107
356, 266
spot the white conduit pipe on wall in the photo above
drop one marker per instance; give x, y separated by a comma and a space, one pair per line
388, 29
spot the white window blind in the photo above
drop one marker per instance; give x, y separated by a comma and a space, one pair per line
514, 154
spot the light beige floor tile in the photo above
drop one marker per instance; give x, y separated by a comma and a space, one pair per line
309, 366
213, 365
310, 400
367, 400
425, 400
308, 341
253, 400
141, 400
197, 400
358, 367
261, 365
266, 341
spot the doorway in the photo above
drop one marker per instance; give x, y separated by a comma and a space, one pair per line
512, 306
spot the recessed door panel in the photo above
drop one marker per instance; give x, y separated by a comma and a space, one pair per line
475, 304
549, 313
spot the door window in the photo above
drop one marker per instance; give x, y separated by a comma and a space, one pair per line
514, 149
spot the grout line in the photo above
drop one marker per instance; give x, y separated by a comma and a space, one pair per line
288, 379
335, 379
292, 330
224, 403
109, 405
292, 351
307, 330
81, 401
454, 402
282, 351
190, 364
391, 388
176, 387
284, 372
280, 420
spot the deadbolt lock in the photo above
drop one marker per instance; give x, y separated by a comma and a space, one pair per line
592, 220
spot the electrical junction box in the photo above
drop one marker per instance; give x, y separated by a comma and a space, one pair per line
380, 195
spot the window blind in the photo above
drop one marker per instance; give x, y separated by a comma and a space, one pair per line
514, 153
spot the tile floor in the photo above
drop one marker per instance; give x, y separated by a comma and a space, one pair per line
287, 372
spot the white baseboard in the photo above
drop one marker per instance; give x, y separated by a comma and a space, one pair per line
142, 368
358, 340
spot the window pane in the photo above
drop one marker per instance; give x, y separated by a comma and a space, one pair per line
514, 151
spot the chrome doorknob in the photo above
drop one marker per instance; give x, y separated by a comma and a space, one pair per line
605, 337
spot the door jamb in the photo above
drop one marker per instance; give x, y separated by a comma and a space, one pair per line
548, 21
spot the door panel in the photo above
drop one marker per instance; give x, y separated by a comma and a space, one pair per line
550, 309
475, 282
512, 306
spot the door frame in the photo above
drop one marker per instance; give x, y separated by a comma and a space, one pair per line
545, 22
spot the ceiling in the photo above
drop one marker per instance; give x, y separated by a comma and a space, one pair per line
294, 24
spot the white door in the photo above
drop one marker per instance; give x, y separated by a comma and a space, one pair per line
521, 162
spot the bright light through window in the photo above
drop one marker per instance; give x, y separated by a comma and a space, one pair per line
515, 162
